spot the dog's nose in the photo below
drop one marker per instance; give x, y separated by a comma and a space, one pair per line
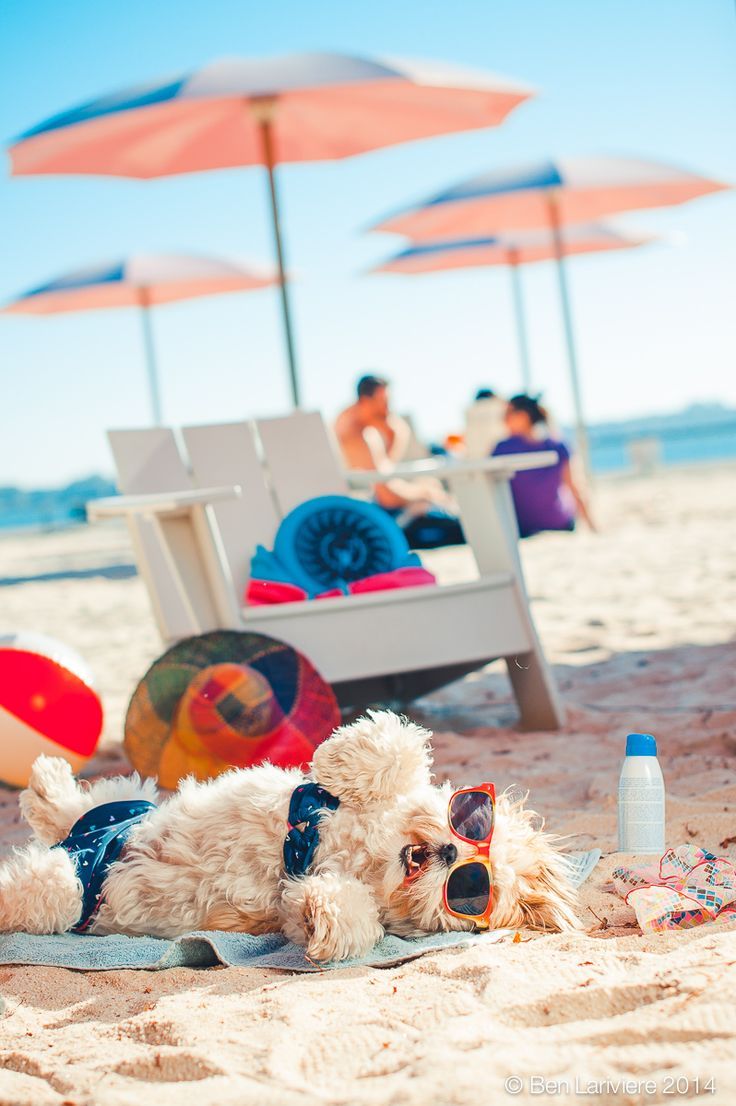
448, 853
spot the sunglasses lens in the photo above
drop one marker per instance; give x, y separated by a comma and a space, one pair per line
469, 889
471, 815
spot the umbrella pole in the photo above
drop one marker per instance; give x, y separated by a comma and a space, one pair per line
266, 129
580, 431
520, 315
150, 352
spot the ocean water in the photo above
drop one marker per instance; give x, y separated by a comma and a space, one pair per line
677, 446
57, 518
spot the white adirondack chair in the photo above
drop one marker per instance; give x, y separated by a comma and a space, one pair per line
195, 523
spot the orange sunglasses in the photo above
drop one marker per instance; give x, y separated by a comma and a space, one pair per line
468, 890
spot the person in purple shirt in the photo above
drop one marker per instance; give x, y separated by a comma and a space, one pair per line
548, 498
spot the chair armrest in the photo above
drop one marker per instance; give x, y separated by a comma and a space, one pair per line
502, 467
159, 503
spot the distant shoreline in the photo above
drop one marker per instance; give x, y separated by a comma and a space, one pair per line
40, 527
32, 527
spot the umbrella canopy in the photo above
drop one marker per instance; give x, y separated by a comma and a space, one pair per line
551, 194
142, 280
321, 105
512, 249
249, 111
584, 189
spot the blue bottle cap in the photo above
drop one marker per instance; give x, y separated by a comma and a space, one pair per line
640, 745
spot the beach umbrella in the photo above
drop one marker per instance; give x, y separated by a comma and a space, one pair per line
550, 194
142, 281
265, 111
512, 250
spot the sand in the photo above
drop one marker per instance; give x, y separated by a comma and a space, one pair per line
639, 621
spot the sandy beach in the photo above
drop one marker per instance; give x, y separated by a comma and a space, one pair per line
639, 621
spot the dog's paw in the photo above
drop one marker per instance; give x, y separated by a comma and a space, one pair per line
335, 917
336, 925
39, 891
50, 776
49, 803
374, 759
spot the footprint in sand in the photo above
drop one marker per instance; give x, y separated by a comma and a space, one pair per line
166, 1067
598, 1002
148, 1032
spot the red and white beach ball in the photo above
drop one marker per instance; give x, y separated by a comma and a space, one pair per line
47, 705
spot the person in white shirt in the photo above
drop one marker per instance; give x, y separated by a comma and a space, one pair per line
484, 424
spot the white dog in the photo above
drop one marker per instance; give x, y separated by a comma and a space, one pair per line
374, 857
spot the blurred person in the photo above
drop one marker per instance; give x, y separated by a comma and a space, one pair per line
484, 424
370, 435
373, 437
545, 498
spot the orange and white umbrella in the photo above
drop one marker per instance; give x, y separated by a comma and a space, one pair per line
143, 281
265, 111
538, 195
550, 194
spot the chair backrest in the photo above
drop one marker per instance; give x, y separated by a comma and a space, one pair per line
228, 453
300, 459
278, 463
415, 449
149, 461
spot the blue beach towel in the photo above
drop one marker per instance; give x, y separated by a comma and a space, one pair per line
87, 952
210, 949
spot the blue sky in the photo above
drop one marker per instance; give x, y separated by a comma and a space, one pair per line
655, 326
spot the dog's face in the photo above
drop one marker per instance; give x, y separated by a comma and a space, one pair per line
529, 884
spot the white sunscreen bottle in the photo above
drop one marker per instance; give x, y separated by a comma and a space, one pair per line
641, 798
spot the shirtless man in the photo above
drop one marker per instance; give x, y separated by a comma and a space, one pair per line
372, 437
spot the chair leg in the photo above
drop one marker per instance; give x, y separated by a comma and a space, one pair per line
534, 688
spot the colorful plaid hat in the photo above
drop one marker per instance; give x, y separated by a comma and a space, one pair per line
227, 699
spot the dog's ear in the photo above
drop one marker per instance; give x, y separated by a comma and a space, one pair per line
531, 877
547, 901
374, 760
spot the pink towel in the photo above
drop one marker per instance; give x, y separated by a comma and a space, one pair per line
261, 593
412, 576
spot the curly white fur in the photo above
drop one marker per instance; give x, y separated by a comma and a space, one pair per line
210, 857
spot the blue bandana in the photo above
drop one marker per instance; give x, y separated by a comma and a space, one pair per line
308, 803
95, 842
